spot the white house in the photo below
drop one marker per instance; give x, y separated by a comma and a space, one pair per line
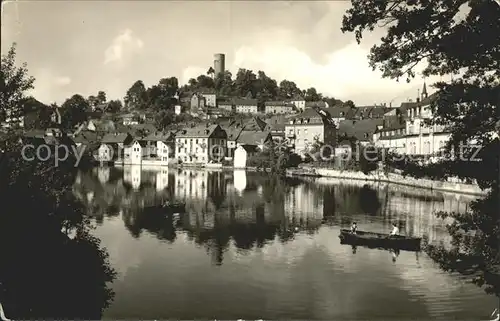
200, 145
107, 153
177, 109
133, 152
240, 157
245, 106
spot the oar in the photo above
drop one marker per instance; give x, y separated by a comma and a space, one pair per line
498, 315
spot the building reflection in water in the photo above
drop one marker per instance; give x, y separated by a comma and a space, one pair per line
240, 180
248, 210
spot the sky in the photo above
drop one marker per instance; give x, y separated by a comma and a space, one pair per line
86, 46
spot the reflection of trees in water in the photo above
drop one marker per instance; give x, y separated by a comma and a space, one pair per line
369, 201
45, 273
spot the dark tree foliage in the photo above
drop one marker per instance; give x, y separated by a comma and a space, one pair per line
74, 111
51, 265
434, 34
14, 82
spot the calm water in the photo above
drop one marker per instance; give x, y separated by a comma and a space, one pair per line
234, 253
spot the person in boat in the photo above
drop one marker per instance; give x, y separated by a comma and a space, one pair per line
354, 228
395, 229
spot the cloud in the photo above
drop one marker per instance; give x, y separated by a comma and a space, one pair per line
124, 44
192, 72
62, 81
50, 87
344, 74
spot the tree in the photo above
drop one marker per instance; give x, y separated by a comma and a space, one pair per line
204, 82
136, 96
265, 87
93, 101
211, 72
164, 118
332, 101
288, 89
170, 86
350, 104
244, 82
224, 83
74, 111
41, 221
14, 84
429, 33
101, 97
114, 106
312, 95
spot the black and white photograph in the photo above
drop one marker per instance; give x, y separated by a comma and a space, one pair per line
250, 160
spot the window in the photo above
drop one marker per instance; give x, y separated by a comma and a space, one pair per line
196, 141
305, 131
298, 131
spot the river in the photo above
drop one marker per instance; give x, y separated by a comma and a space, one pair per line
253, 247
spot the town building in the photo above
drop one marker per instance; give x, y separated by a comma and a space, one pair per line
201, 144
210, 97
226, 104
158, 147
133, 152
113, 146
276, 125
412, 134
129, 119
246, 106
310, 127
278, 107
359, 131
198, 104
299, 102
254, 140
233, 132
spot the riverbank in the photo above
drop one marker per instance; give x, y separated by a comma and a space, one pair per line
392, 178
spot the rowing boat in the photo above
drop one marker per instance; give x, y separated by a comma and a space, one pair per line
379, 240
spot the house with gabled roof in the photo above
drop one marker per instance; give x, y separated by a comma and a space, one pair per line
361, 131
113, 145
233, 132
201, 144
160, 146
133, 152
312, 126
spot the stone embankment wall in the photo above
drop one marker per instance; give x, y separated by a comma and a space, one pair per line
454, 187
